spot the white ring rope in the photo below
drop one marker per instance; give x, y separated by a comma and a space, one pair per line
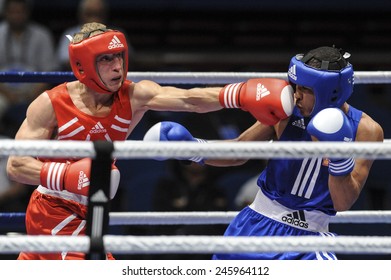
198, 244
194, 218
214, 78
360, 77
249, 150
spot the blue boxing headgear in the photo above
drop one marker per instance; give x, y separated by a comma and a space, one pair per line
331, 87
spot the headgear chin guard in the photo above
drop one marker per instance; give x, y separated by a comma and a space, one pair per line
331, 87
83, 56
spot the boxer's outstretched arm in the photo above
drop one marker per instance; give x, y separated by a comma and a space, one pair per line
148, 95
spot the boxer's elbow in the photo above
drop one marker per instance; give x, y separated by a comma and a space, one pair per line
341, 207
15, 168
344, 201
12, 169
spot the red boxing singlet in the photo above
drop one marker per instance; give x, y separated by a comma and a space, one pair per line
63, 213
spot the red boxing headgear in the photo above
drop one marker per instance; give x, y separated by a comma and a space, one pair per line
82, 56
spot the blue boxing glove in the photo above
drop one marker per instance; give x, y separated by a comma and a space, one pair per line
172, 131
331, 124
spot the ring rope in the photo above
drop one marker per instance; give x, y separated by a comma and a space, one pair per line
206, 217
192, 218
360, 77
197, 244
173, 149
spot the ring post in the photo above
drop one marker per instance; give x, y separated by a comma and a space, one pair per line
98, 199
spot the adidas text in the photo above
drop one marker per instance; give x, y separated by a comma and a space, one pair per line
114, 46
98, 131
294, 221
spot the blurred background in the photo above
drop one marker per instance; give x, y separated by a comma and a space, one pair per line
246, 35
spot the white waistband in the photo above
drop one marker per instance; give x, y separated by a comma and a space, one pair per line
307, 220
64, 195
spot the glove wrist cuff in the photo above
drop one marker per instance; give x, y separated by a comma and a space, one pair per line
198, 159
52, 175
341, 167
229, 95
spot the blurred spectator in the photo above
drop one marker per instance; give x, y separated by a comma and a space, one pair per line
87, 11
24, 46
189, 188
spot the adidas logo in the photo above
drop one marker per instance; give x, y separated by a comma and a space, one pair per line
299, 123
83, 181
292, 72
115, 43
262, 91
98, 128
296, 218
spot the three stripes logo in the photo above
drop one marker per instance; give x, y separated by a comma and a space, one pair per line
296, 218
83, 181
299, 123
292, 72
115, 43
262, 91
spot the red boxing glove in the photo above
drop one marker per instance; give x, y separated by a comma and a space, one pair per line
74, 177
269, 100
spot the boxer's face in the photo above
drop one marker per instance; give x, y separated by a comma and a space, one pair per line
304, 100
110, 68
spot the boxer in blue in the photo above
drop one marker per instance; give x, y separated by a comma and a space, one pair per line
297, 197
